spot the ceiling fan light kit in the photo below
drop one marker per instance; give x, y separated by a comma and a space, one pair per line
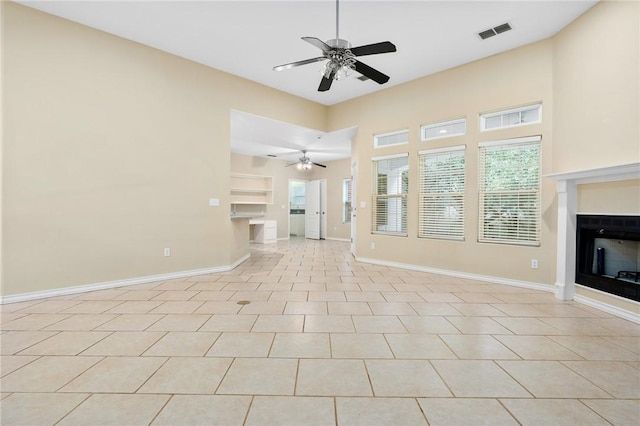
305, 163
342, 58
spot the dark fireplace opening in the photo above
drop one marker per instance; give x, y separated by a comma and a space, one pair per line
608, 254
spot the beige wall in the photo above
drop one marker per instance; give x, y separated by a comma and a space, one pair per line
596, 109
587, 80
514, 78
610, 197
596, 80
335, 173
111, 151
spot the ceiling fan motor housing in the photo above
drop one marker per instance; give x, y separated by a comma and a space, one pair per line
338, 43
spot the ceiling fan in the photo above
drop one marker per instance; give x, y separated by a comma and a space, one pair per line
342, 58
305, 163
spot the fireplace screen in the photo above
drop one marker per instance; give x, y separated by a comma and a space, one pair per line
608, 254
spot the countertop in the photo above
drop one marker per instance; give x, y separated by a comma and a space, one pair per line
245, 216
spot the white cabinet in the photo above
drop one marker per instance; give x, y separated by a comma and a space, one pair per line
296, 225
251, 189
264, 231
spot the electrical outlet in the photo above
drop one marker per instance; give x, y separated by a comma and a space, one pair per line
167, 252
534, 263
373, 245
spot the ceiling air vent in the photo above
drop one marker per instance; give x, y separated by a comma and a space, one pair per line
502, 28
271, 155
363, 78
494, 31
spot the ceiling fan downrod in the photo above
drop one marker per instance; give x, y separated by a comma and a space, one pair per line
337, 20
338, 43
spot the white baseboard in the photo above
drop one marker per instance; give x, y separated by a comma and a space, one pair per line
65, 291
622, 313
614, 310
486, 278
346, 240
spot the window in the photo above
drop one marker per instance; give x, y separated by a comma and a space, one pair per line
509, 198
390, 139
346, 201
390, 187
511, 118
444, 129
441, 193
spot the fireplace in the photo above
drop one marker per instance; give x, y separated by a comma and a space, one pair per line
608, 254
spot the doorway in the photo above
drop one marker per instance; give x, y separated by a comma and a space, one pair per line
297, 190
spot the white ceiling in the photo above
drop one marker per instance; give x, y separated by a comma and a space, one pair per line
259, 136
249, 38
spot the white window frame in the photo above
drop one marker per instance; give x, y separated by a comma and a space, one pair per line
485, 116
425, 127
449, 223
381, 135
533, 194
399, 198
347, 202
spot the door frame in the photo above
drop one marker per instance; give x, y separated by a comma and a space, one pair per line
354, 177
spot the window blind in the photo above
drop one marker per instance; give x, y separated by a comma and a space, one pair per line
346, 201
509, 192
441, 188
389, 201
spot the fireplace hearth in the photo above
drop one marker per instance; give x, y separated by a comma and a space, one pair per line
608, 254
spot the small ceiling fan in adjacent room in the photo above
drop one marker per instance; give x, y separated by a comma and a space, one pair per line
342, 58
305, 163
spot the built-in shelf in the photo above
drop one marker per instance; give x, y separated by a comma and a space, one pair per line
251, 189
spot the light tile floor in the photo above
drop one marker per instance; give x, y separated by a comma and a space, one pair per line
325, 340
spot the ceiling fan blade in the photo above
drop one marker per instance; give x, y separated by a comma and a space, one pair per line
325, 83
292, 164
318, 164
374, 49
372, 73
317, 43
298, 63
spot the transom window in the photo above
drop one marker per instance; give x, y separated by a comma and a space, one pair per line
511, 117
392, 138
443, 129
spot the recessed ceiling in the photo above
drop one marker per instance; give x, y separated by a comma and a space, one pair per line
249, 38
263, 137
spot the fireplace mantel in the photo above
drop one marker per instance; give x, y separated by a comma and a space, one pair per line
567, 187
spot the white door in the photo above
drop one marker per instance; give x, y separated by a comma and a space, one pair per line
312, 210
354, 174
323, 209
